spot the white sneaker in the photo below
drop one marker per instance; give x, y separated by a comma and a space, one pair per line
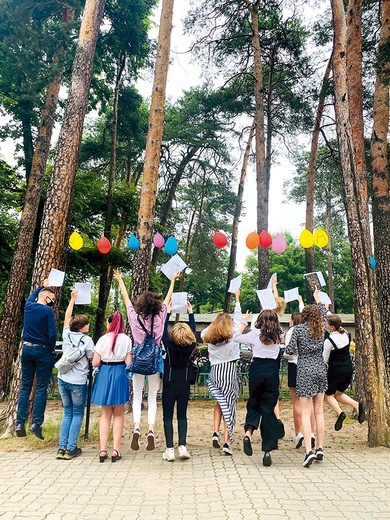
298, 440
169, 454
226, 449
183, 453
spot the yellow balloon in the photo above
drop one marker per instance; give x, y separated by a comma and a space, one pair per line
320, 238
76, 241
306, 239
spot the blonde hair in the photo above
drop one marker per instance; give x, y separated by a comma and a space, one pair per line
182, 335
280, 306
220, 329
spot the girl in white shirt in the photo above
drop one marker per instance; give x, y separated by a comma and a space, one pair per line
265, 341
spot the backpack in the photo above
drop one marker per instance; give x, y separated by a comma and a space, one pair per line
69, 361
145, 358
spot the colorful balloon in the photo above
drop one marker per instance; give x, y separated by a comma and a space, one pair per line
220, 239
158, 240
252, 240
372, 262
320, 238
133, 243
279, 243
76, 241
265, 239
104, 245
306, 239
171, 246
289, 239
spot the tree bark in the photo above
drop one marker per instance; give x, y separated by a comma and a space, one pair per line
368, 344
309, 223
236, 218
380, 183
329, 255
142, 257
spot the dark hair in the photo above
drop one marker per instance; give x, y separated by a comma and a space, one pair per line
148, 304
296, 318
116, 325
77, 322
335, 321
270, 330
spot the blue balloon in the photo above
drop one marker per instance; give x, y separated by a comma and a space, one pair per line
372, 262
133, 243
171, 246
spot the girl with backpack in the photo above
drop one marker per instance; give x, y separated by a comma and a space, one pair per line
147, 313
111, 388
179, 374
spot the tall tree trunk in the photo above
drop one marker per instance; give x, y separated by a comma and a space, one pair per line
142, 257
236, 218
18, 273
309, 223
261, 172
380, 182
368, 344
329, 254
105, 271
28, 146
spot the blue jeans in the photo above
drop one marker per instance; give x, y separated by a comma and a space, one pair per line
73, 402
36, 361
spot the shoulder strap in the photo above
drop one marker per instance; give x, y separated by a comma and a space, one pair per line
77, 346
143, 326
331, 341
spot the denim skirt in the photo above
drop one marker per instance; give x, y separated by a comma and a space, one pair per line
111, 386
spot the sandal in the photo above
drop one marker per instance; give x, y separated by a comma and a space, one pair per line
116, 457
103, 455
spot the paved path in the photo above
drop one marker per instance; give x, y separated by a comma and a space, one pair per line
349, 484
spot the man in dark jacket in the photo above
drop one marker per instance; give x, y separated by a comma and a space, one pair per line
39, 340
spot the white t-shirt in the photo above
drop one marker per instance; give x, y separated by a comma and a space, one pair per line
341, 340
79, 373
122, 347
259, 350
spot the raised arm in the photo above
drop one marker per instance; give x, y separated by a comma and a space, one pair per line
170, 290
275, 287
125, 295
191, 318
69, 309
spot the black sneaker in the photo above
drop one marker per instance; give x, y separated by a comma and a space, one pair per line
247, 446
339, 423
71, 454
215, 440
267, 461
281, 432
320, 454
309, 457
61, 453
20, 430
37, 431
226, 449
313, 442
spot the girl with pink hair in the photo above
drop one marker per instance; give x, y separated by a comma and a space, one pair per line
111, 390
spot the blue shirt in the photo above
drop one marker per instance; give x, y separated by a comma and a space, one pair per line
39, 326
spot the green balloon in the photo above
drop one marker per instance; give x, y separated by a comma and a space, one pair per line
289, 239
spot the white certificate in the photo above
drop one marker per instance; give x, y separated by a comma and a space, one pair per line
56, 278
267, 299
324, 297
291, 294
179, 302
84, 293
235, 284
173, 266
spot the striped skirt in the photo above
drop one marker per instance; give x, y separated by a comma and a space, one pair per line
223, 386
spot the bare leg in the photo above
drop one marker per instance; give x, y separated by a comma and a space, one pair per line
306, 407
345, 399
297, 413
104, 429
225, 433
117, 428
277, 410
318, 401
217, 417
332, 402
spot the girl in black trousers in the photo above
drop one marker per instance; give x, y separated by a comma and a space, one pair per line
178, 374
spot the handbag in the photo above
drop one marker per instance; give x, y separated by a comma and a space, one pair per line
70, 360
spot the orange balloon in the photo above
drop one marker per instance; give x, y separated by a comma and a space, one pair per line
104, 245
252, 240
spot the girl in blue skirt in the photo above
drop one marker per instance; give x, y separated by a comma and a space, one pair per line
111, 390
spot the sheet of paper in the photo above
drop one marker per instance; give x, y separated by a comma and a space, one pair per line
174, 265
270, 286
291, 294
253, 320
84, 293
314, 280
324, 297
235, 284
267, 299
179, 302
56, 278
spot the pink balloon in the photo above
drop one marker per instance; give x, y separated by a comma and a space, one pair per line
279, 243
158, 240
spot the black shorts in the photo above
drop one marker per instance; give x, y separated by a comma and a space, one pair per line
338, 381
292, 375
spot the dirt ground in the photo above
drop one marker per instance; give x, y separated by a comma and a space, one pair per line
200, 416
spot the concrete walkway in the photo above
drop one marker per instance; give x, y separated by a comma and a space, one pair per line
348, 484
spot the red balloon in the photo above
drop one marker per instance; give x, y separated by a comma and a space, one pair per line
265, 239
104, 245
220, 239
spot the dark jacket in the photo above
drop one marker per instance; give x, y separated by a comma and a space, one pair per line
177, 364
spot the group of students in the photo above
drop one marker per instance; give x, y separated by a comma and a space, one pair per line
306, 349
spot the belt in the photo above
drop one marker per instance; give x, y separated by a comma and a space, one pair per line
113, 363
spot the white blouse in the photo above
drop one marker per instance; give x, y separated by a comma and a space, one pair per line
259, 350
122, 347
